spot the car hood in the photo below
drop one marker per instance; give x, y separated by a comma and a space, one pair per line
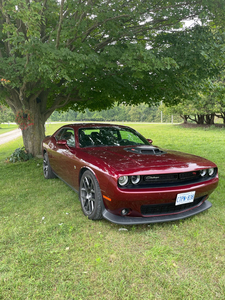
128, 160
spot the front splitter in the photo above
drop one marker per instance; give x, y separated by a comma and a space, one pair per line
126, 220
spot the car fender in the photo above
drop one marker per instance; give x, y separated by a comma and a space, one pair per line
103, 179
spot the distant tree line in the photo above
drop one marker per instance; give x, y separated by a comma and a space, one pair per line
208, 104
120, 113
6, 114
205, 108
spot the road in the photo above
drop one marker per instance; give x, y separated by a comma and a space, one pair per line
9, 136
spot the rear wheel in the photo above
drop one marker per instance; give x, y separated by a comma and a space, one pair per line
90, 196
48, 173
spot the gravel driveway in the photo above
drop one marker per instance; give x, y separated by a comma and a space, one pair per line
9, 136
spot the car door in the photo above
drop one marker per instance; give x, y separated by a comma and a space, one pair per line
63, 159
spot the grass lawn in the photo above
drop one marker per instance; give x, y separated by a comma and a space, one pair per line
7, 127
49, 250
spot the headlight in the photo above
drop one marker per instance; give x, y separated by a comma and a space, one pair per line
211, 171
203, 173
123, 180
135, 179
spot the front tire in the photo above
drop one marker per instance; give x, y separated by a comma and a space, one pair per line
48, 173
90, 196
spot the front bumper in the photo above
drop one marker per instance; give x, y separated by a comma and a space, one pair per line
126, 220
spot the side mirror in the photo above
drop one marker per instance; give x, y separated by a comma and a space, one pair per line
62, 142
150, 141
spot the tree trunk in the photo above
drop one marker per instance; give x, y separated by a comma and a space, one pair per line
185, 118
223, 117
209, 119
33, 135
200, 119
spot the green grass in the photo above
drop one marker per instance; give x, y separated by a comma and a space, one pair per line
7, 127
49, 250
7, 149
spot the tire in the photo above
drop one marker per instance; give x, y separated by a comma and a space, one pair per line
90, 196
48, 173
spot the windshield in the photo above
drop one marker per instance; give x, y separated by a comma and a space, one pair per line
110, 136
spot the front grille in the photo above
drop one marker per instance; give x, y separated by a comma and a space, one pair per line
171, 178
168, 180
158, 209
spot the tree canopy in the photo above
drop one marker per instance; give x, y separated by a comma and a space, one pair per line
89, 54
205, 106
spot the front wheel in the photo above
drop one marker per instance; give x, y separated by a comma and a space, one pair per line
90, 196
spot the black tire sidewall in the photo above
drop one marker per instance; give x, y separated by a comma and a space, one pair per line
97, 212
50, 173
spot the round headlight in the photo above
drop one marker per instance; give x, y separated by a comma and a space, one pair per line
203, 173
123, 180
135, 179
211, 171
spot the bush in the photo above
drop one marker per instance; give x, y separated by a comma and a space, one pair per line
20, 154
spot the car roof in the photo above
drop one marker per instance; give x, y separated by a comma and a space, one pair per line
93, 125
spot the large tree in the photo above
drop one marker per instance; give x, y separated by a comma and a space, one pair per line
90, 53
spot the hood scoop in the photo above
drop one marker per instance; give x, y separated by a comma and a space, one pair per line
147, 150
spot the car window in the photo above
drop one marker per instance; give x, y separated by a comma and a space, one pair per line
109, 136
68, 135
130, 136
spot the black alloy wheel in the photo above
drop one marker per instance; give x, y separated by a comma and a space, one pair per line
90, 196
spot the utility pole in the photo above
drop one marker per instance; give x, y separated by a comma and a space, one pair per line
161, 113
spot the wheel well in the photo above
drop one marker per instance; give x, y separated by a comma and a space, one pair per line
86, 169
82, 172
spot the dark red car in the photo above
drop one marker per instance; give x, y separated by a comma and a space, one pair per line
122, 177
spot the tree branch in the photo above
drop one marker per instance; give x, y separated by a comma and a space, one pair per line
60, 24
57, 104
11, 103
8, 35
97, 24
61, 101
44, 6
103, 44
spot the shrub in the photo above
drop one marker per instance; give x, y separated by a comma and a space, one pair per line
20, 154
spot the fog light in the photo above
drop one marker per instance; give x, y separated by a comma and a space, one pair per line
124, 211
211, 171
203, 173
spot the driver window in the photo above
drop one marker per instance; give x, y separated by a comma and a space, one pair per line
68, 135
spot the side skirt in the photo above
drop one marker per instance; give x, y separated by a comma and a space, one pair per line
67, 184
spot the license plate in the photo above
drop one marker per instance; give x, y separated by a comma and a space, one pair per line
184, 198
